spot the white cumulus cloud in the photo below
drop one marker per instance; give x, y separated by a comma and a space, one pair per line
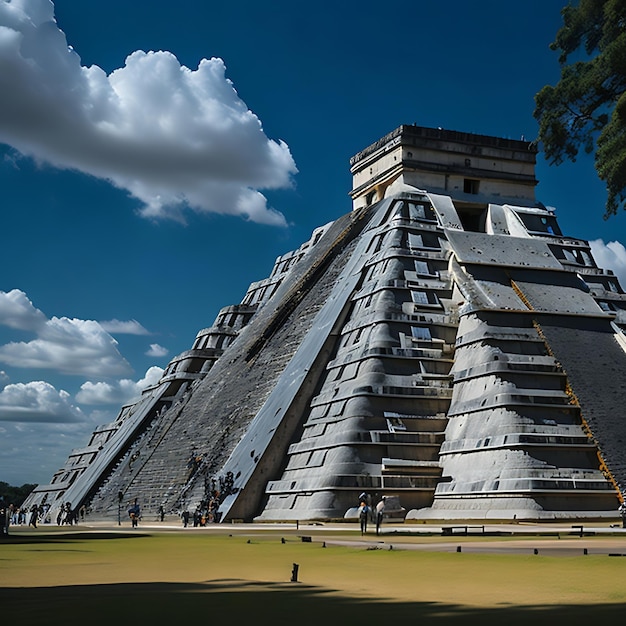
18, 312
610, 256
68, 346
173, 137
37, 401
157, 351
119, 327
120, 392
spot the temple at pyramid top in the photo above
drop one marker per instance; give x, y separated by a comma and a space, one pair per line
442, 345
468, 167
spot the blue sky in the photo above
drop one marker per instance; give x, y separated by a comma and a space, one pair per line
153, 170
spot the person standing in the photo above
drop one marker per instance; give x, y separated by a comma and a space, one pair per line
380, 512
134, 512
364, 512
34, 512
5, 517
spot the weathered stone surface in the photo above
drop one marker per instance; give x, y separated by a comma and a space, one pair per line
443, 345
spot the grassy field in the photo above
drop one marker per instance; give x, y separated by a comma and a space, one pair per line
50, 577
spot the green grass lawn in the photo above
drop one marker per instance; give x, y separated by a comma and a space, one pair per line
50, 577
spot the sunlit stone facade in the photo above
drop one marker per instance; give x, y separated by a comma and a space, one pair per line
442, 344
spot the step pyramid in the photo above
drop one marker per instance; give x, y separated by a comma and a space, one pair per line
442, 344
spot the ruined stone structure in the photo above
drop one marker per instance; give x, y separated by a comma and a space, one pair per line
443, 344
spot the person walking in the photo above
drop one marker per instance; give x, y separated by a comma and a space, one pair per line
364, 513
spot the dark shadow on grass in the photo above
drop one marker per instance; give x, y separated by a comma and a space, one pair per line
240, 602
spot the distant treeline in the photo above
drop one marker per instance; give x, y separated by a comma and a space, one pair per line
14, 495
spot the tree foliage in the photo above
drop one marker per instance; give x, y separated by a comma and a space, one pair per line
14, 495
586, 109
